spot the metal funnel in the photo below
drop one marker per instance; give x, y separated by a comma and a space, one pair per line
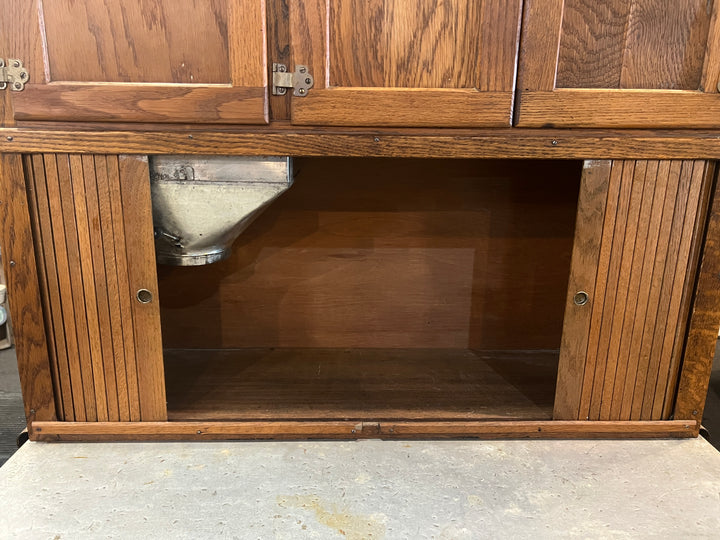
201, 204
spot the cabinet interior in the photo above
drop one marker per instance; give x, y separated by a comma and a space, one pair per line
381, 289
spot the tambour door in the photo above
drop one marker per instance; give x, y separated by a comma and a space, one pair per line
405, 62
635, 255
186, 61
620, 63
92, 227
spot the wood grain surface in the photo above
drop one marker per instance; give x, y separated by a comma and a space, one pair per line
92, 224
359, 384
22, 286
644, 258
141, 61
645, 63
411, 64
421, 143
704, 323
378, 253
551, 429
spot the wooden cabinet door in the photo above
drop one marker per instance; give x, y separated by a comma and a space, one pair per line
183, 61
406, 62
620, 64
94, 245
634, 262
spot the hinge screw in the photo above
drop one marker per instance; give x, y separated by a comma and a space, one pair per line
301, 91
695, 412
302, 70
16, 64
18, 85
282, 69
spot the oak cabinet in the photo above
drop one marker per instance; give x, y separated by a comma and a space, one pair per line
639, 64
161, 61
400, 63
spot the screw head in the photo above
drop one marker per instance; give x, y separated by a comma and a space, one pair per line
18, 85
23, 75
308, 80
302, 70
302, 91
16, 64
554, 142
12, 263
9, 138
282, 69
376, 139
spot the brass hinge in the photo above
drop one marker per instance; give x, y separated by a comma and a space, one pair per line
14, 74
301, 81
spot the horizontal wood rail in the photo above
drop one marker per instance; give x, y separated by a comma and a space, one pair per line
507, 143
173, 431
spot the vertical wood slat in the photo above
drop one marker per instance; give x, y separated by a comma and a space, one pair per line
89, 213
22, 284
64, 411
586, 251
140, 248
644, 260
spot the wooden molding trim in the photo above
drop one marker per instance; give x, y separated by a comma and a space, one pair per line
507, 143
117, 431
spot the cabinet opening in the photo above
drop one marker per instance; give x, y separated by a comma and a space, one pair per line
381, 289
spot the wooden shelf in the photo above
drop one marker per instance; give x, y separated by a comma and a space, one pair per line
359, 384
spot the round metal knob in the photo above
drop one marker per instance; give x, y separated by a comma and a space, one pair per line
144, 296
580, 298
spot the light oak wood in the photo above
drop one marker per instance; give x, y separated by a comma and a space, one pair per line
91, 215
619, 64
140, 61
584, 266
116, 431
643, 261
22, 286
447, 143
395, 63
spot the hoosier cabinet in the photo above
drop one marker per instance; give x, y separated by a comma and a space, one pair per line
231, 219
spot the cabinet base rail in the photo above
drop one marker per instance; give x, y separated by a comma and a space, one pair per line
176, 431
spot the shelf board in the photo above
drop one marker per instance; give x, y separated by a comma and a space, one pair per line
359, 384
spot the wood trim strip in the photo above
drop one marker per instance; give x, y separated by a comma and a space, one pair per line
35, 192
84, 102
586, 252
128, 367
704, 323
57, 226
698, 236
508, 143
22, 285
540, 44
411, 107
142, 274
119, 431
619, 109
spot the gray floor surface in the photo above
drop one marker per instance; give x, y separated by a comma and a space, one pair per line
367, 489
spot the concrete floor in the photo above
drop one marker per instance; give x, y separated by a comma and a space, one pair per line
359, 490
368, 489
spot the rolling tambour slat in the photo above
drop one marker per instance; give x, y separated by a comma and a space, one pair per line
640, 291
89, 215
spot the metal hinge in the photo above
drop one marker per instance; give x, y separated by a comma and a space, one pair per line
301, 81
14, 74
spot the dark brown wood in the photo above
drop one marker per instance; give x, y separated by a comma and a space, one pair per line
22, 286
391, 62
586, 253
619, 64
359, 384
496, 143
704, 323
390, 257
140, 249
132, 61
114, 431
278, 40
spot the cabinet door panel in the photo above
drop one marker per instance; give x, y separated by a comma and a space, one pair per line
94, 241
141, 60
400, 63
618, 63
635, 254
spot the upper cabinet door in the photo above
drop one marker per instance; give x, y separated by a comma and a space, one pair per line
194, 61
439, 63
620, 64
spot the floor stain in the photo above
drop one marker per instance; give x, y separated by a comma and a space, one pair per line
354, 527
